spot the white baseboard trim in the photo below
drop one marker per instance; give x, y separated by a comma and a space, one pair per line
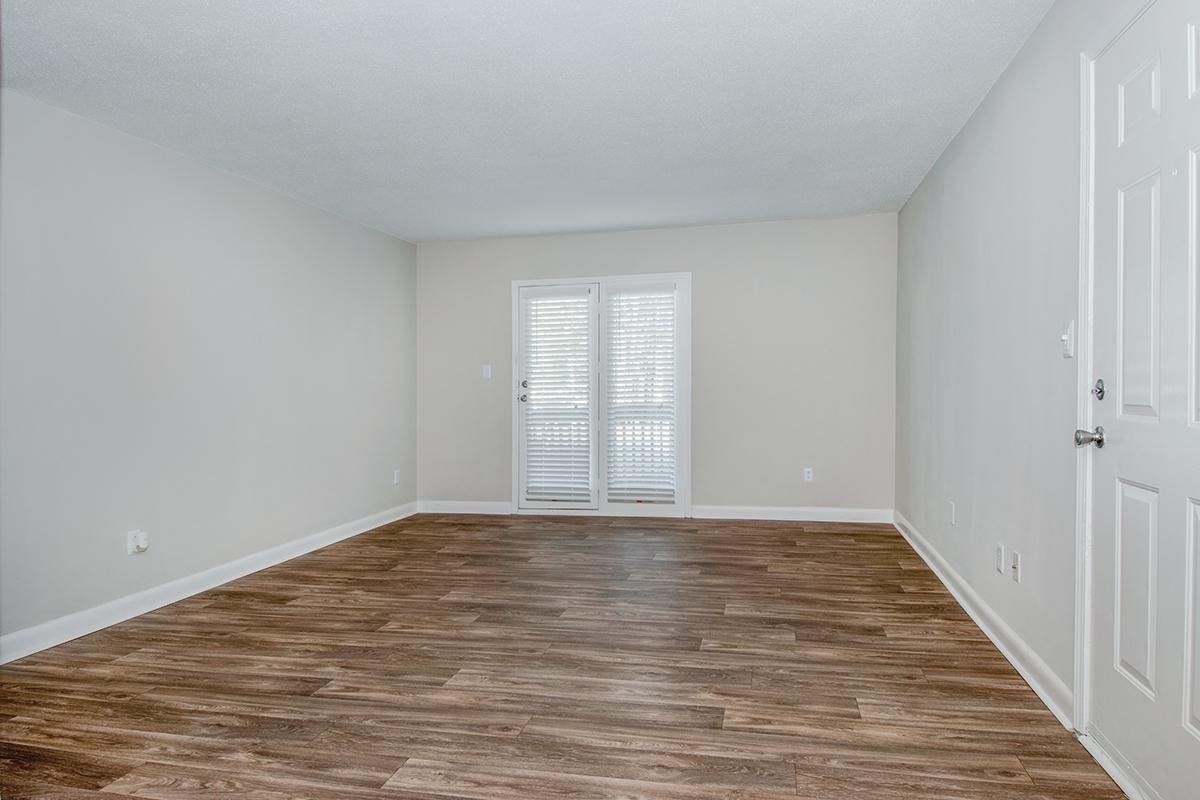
794, 513
464, 507
27, 641
1052, 690
1119, 769
782, 513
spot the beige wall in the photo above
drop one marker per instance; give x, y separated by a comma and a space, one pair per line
793, 356
185, 352
989, 269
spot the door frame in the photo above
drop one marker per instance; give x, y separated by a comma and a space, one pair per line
682, 507
1085, 372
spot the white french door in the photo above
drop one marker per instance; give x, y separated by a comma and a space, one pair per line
1142, 672
558, 373
602, 418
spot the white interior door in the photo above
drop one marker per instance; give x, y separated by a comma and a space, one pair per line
557, 375
1145, 493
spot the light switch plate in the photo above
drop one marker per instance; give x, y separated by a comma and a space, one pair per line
1068, 340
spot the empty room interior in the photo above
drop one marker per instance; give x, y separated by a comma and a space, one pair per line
600, 400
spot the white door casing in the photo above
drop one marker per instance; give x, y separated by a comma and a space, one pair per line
1139, 657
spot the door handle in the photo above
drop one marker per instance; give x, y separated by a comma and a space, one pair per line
1095, 437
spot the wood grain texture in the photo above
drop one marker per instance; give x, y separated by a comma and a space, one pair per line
543, 657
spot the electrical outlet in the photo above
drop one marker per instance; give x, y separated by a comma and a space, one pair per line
396, 477
808, 474
953, 514
1000, 558
1016, 566
136, 542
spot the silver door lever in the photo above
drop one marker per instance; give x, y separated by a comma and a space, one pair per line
1095, 437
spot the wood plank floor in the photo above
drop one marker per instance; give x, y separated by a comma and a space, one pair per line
538, 657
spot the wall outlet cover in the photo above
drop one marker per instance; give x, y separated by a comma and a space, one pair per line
136, 542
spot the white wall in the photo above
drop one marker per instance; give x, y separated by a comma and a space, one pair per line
793, 356
989, 266
185, 352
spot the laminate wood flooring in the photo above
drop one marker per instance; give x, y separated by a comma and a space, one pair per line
526, 657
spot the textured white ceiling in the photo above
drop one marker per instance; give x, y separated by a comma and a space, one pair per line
435, 119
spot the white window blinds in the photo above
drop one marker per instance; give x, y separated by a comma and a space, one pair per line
558, 334
641, 393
